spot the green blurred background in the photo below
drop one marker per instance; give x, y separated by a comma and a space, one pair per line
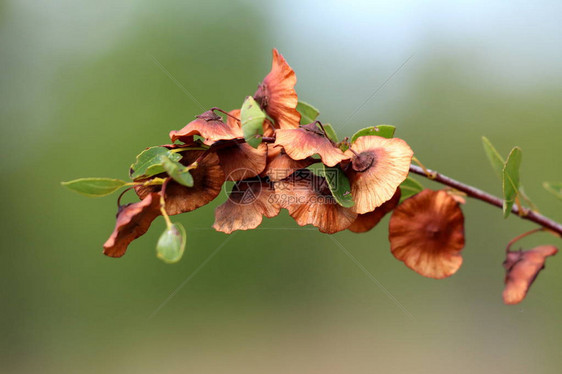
85, 86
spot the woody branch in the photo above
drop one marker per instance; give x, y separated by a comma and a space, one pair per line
488, 198
470, 191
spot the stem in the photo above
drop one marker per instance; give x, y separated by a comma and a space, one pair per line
163, 204
475, 193
352, 151
428, 174
324, 130
270, 124
121, 196
176, 150
228, 114
151, 182
519, 237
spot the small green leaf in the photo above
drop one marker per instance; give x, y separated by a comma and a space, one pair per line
94, 187
177, 171
171, 245
330, 132
251, 118
511, 180
337, 182
386, 131
496, 160
308, 112
149, 162
554, 188
498, 163
410, 187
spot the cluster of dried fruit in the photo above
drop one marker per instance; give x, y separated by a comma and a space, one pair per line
279, 157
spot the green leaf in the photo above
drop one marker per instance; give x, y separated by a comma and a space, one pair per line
94, 187
496, 160
177, 171
386, 131
410, 187
337, 182
149, 162
171, 245
498, 163
511, 180
308, 112
330, 132
554, 188
251, 118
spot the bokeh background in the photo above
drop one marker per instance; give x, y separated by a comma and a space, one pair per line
85, 86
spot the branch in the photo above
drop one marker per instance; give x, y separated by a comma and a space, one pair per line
443, 179
487, 198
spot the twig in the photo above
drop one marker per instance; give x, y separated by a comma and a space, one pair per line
475, 193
